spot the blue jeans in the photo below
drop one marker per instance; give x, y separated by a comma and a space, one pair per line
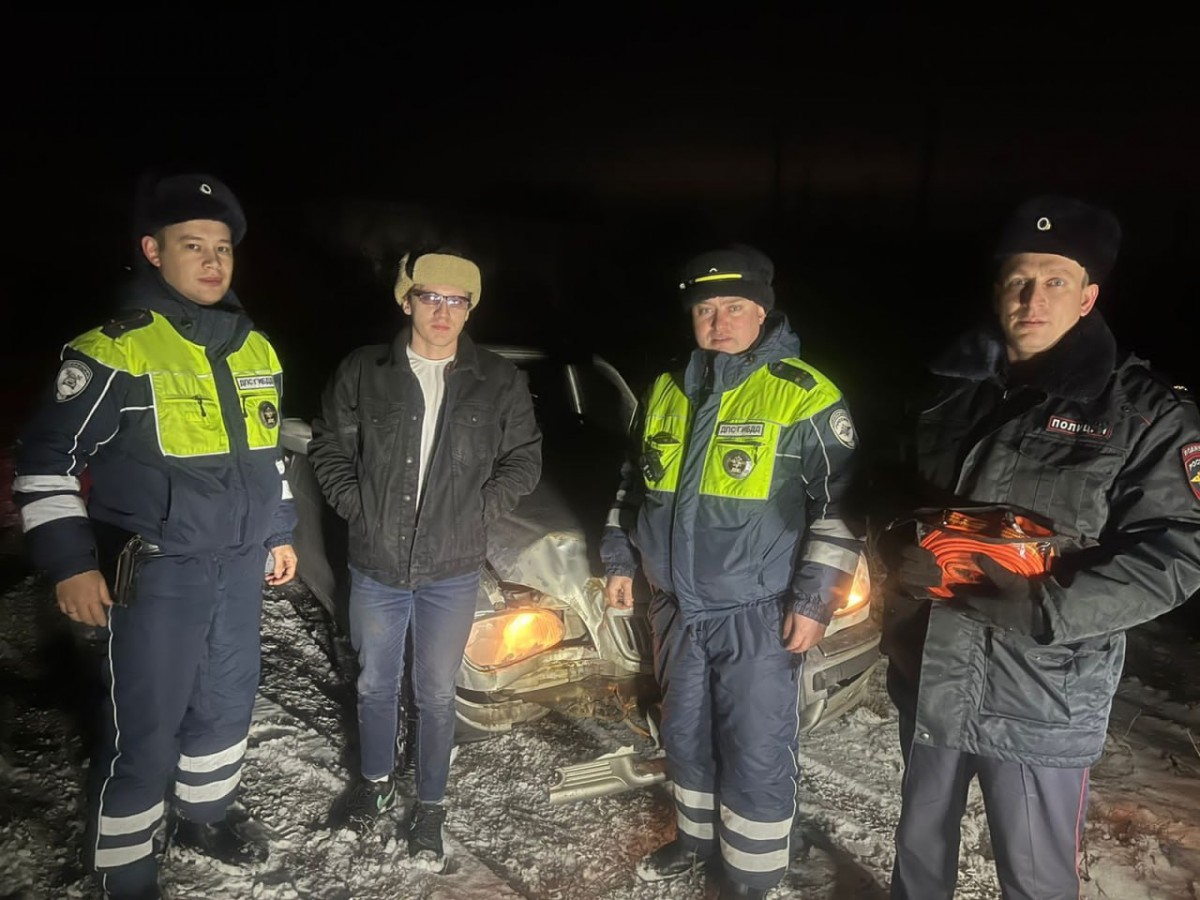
441, 615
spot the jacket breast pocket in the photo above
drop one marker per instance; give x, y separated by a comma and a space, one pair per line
378, 423
1068, 481
741, 468
472, 428
188, 414
1027, 681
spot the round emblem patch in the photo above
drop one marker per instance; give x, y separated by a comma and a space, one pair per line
72, 378
738, 463
1044, 224
268, 414
843, 428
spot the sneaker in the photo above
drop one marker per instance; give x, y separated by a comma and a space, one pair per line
221, 841
425, 835
367, 801
670, 861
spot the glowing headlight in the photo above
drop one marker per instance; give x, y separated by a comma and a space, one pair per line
512, 636
860, 589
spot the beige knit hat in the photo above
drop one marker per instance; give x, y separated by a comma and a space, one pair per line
439, 268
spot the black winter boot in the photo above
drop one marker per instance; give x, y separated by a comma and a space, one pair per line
222, 841
670, 861
732, 890
152, 892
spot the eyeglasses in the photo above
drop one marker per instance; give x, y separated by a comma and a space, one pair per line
452, 301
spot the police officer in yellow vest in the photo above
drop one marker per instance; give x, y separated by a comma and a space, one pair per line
734, 505
173, 409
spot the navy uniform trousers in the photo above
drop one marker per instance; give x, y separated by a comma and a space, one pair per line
181, 675
1035, 819
730, 730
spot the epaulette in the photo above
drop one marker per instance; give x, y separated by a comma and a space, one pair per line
129, 320
794, 374
1179, 391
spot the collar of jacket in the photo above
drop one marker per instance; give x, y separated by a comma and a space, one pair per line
1076, 368
466, 355
719, 372
220, 327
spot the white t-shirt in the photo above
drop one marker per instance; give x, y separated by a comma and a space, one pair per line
432, 375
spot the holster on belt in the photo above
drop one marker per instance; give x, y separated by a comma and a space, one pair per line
121, 555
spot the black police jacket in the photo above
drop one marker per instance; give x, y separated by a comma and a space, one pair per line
1110, 453
365, 453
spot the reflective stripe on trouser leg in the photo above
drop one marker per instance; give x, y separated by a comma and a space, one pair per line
154, 652
683, 678
213, 733
1035, 817
756, 685
210, 779
695, 816
125, 840
933, 799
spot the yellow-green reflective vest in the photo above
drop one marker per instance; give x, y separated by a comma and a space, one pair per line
187, 410
739, 461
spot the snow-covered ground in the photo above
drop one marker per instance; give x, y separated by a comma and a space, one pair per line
1143, 839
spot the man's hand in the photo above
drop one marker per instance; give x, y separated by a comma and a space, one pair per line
618, 592
1009, 601
84, 598
916, 571
800, 633
284, 558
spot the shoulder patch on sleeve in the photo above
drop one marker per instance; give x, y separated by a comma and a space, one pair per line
843, 428
794, 374
128, 320
73, 377
1191, 466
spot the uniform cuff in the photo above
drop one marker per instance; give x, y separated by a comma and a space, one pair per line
278, 540
811, 606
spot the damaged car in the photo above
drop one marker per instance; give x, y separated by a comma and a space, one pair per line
543, 637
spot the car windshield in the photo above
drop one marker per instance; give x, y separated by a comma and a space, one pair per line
573, 396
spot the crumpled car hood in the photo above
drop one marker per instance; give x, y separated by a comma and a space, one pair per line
542, 545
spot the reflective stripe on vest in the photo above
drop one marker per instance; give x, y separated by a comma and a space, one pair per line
187, 411
739, 461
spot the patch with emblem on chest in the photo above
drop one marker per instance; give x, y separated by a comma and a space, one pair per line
1101, 431
268, 414
255, 382
1191, 466
740, 429
737, 463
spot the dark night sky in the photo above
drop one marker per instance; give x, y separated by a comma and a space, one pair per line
582, 158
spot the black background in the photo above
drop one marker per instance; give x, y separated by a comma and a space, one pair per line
582, 153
